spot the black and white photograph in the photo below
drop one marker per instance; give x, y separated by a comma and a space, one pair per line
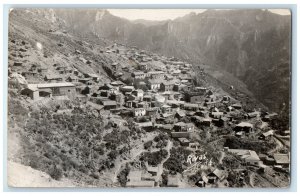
149, 98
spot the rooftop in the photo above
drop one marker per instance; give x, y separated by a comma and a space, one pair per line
245, 154
144, 124
109, 103
244, 124
51, 85
281, 158
135, 175
271, 132
173, 180
183, 139
140, 184
138, 73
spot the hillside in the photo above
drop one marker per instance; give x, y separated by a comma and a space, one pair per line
252, 45
24, 176
85, 110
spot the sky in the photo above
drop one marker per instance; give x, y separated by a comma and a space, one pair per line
165, 14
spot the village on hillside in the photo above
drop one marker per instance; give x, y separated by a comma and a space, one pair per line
150, 123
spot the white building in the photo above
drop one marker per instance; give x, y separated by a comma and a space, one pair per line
139, 112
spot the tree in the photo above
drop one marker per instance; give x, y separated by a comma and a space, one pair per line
113, 154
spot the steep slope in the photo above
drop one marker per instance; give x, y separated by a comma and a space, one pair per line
252, 45
39, 38
24, 176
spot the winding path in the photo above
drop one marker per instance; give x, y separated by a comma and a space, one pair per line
160, 166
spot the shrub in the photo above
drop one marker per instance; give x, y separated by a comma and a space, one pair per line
112, 154
95, 175
122, 177
56, 173
154, 158
177, 159
148, 144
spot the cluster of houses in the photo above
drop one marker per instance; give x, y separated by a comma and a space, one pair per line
163, 95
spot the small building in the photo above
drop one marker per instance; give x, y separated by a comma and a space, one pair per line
135, 180
194, 145
139, 112
267, 135
147, 98
117, 83
143, 104
215, 176
282, 160
229, 109
249, 157
56, 89
181, 127
17, 64
125, 89
138, 94
31, 92
138, 75
166, 108
144, 66
252, 115
152, 111
29, 74
180, 114
134, 175
226, 98
167, 85
145, 125
173, 181
154, 84
108, 105
184, 141
118, 97
180, 134
195, 98
244, 127
72, 79
95, 106
269, 117
86, 81
191, 106
94, 77
106, 87
201, 90
166, 127
155, 74
268, 160
182, 87
202, 181
202, 113
237, 106
52, 78
217, 115
206, 122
